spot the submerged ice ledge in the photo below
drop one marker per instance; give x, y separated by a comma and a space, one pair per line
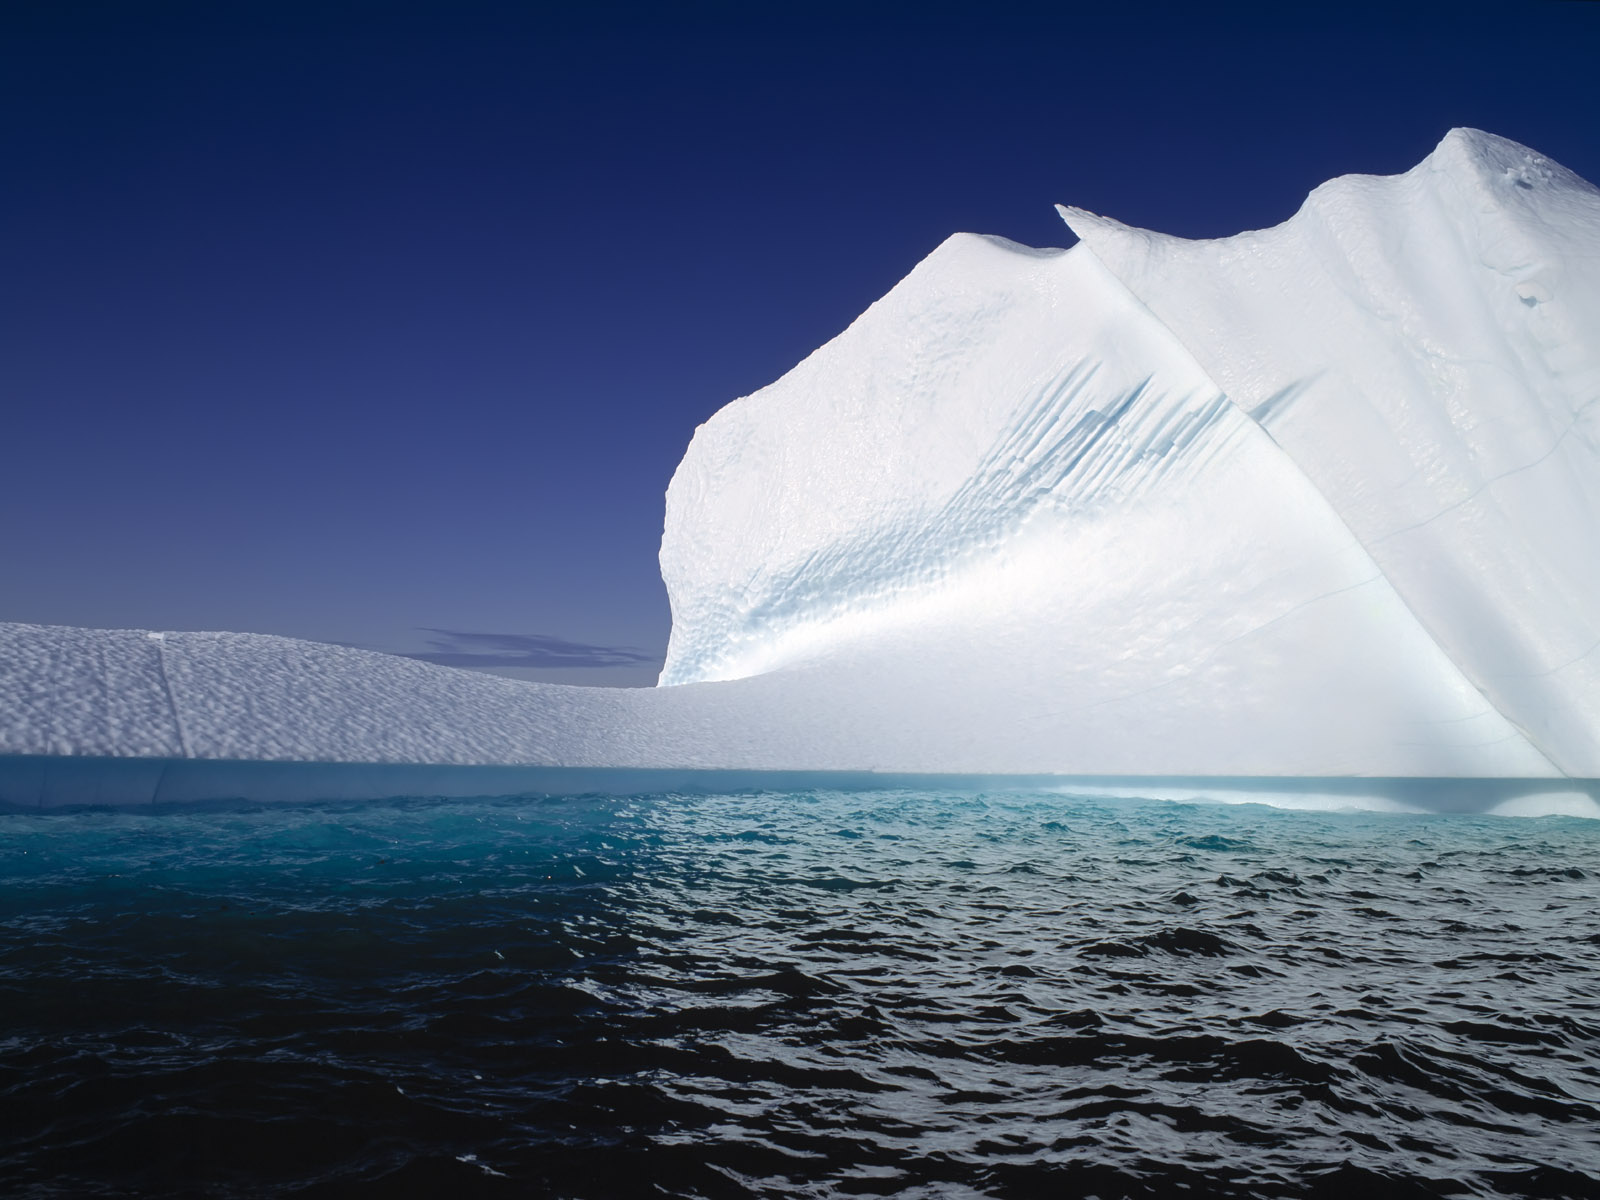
1320, 501
38, 783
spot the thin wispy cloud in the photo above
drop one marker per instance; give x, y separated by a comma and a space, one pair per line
457, 648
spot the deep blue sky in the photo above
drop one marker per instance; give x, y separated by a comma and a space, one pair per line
360, 321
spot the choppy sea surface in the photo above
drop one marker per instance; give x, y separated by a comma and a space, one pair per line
807, 993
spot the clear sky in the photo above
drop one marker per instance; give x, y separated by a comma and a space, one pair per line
387, 323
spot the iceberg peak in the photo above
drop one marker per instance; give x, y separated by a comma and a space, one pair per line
1315, 500
1407, 371
1500, 162
1424, 347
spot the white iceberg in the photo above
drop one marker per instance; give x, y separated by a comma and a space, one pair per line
1426, 348
1322, 500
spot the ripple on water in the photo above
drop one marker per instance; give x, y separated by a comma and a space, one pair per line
800, 994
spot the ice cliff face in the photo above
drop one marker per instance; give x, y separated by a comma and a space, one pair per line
1319, 500
1325, 494
1426, 349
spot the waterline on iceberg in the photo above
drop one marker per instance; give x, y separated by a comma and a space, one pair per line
38, 783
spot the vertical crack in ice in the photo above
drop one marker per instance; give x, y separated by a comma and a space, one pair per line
160, 640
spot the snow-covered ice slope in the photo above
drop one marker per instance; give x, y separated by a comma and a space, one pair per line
1311, 502
247, 696
1426, 349
1142, 510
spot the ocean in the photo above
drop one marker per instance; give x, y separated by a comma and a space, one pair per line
807, 992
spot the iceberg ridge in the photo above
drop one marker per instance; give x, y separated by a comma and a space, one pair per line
1435, 372
1321, 500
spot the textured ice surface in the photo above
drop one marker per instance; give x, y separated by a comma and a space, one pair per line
1322, 500
1426, 349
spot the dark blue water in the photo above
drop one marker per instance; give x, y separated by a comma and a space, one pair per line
801, 994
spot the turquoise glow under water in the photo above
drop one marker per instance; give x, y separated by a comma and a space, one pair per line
805, 992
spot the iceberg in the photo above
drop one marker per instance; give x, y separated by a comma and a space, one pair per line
1319, 501
1426, 349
